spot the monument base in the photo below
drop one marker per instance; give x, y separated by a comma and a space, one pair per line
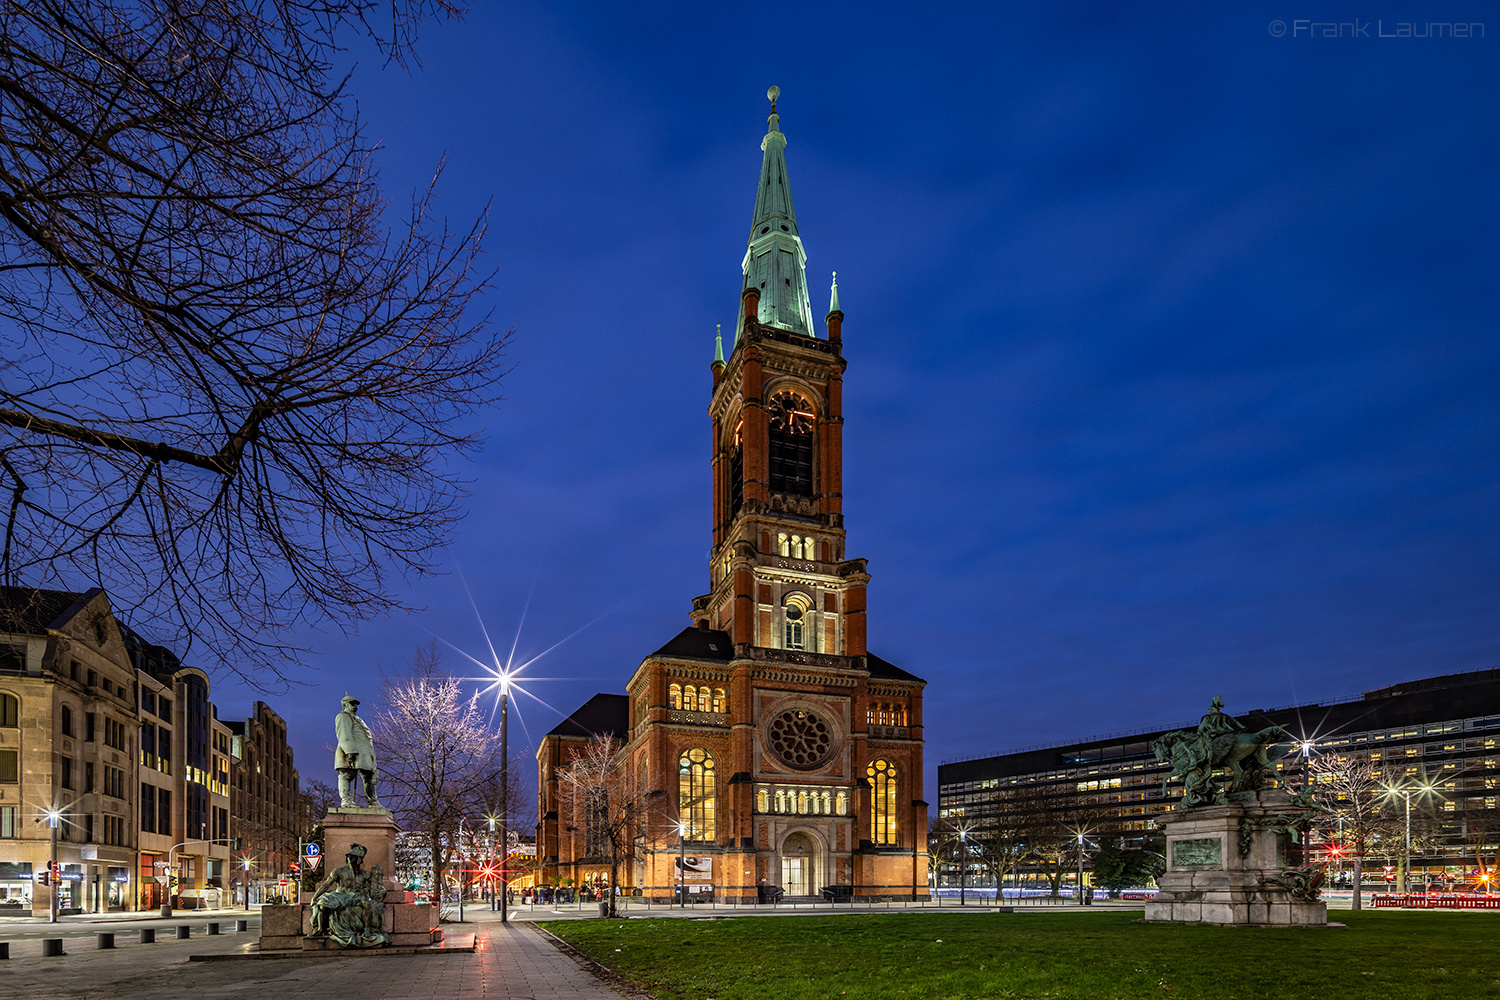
288, 928
1229, 864
375, 828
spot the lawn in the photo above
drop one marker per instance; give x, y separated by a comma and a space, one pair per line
901, 956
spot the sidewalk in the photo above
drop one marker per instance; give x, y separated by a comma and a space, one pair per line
511, 962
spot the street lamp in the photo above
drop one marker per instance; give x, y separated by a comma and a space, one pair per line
682, 866
1405, 793
963, 866
504, 789
245, 880
1082, 900
54, 820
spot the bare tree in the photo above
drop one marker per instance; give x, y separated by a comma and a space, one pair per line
1352, 791
437, 754
605, 796
230, 387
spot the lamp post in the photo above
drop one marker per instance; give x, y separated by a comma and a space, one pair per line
54, 820
1405, 793
245, 880
682, 866
1080, 870
504, 790
963, 865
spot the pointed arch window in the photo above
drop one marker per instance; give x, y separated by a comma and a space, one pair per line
882, 775
696, 796
796, 622
737, 469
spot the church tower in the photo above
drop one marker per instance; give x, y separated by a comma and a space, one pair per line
778, 572
771, 752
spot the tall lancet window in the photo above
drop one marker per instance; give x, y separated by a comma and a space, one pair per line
792, 437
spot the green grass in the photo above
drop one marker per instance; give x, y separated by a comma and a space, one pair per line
901, 956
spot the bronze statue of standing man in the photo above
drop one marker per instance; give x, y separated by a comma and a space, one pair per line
355, 755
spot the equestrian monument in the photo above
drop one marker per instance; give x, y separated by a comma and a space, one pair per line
1234, 842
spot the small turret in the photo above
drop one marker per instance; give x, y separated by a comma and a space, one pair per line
835, 318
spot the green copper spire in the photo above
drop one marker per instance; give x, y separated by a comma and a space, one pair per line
775, 261
833, 299
719, 343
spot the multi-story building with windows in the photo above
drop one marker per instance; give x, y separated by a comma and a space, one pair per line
268, 809
184, 781
67, 752
773, 748
1438, 732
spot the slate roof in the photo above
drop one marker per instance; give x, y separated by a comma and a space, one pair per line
887, 669
699, 644
32, 610
601, 714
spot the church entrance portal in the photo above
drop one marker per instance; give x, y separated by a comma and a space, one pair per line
799, 855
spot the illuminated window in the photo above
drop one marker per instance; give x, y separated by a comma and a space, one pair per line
721, 704
690, 698
674, 696
882, 775
762, 801
695, 794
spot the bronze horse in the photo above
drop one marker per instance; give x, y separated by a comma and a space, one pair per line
1247, 755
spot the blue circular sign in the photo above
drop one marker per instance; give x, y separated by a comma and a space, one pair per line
311, 850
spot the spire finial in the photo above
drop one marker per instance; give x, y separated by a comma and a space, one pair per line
833, 302
719, 343
771, 96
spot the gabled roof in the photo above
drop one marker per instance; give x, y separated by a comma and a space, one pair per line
887, 669
30, 610
603, 714
699, 644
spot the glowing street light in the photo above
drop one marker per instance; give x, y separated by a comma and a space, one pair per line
1426, 788
54, 820
682, 866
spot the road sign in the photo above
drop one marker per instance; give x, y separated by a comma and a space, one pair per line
161, 880
311, 861
311, 850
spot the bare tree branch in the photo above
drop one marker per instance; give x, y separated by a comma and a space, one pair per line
231, 387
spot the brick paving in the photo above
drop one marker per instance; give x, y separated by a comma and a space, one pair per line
511, 962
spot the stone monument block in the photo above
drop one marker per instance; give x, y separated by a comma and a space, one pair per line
372, 827
282, 927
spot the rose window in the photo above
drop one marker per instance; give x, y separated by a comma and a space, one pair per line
800, 738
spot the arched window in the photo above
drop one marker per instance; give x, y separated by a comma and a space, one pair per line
10, 711
721, 704
827, 804
842, 803
882, 775
791, 434
690, 698
695, 794
802, 803
795, 621
784, 545
780, 801
674, 695
762, 801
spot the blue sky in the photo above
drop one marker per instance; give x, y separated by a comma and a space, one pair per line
1172, 343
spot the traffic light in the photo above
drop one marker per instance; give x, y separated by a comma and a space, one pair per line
44, 877
295, 867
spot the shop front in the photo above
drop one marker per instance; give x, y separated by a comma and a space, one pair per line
15, 885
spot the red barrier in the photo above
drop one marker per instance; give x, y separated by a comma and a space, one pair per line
1435, 901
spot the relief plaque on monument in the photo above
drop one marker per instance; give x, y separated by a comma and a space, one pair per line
1207, 852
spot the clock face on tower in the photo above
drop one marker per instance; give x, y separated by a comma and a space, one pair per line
791, 414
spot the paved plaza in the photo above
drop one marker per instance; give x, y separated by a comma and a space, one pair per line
514, 961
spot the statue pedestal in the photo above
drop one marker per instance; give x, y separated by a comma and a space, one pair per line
374, 828
1220, 860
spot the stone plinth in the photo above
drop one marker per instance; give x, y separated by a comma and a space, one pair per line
286, 928
373, 828
1219, 861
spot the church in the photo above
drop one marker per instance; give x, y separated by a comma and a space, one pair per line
771, 752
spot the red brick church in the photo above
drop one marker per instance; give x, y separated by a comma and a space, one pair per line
776, 750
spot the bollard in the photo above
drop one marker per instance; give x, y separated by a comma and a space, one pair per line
51, 947
148, 935
241, 925
184, 932
213, 928
4, 951
106, 939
